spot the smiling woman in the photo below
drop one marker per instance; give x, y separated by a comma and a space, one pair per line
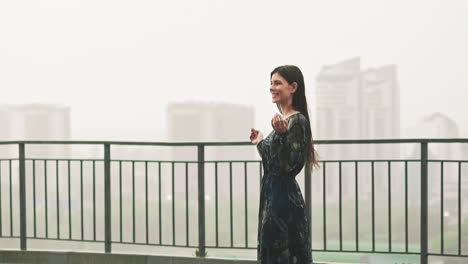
283, 227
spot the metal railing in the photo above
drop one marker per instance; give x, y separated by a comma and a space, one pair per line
105, 191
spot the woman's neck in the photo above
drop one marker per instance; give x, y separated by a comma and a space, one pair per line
287, 110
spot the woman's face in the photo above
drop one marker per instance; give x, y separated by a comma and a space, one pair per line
281, 91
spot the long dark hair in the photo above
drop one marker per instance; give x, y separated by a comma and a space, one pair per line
292, 73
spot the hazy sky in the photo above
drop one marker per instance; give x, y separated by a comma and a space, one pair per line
118, 63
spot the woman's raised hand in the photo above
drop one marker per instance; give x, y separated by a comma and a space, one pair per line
279, 124
255, 136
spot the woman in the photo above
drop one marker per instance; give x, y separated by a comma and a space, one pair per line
283, 227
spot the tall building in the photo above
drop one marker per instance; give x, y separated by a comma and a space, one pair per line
380, 110
380, 103
4, 121
36, 122
337, 102
439, 125
211, 122
351, 103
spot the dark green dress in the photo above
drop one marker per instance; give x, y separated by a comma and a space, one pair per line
283, 228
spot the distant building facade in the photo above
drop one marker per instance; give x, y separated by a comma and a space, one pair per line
439, 125
351, 103
36, 122
212, 122
40, 122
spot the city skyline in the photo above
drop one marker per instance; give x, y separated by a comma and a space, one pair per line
411, 131
369, 76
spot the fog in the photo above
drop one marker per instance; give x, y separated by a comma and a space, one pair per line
117, 64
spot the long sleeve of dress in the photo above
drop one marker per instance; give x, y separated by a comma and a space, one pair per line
259, 148
288, 149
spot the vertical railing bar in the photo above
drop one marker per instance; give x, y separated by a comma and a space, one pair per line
201, 200
81, 199
1, 216
107, 198
246, 208
69, 201
324, 205
373, 205
22, 194
159, 193
389, 206
120, 200
340, 204
46, 201
11, 200
216, 202
173, 205
424, 203
94, 200
230, 205
356, 203
186, 205
34, 198
406, 206
133, 201
442, 207
459, 208
57, 197
146, 201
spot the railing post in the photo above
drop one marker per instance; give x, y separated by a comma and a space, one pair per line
201, 201
107, 198
424, 204
22, 193
308, 195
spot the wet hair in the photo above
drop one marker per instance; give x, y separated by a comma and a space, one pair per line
292, 73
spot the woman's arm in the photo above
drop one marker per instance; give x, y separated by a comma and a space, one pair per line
256, 137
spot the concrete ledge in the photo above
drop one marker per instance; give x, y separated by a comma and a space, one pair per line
43, 257
57, 257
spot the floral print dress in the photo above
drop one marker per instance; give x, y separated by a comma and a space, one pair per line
283, 228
